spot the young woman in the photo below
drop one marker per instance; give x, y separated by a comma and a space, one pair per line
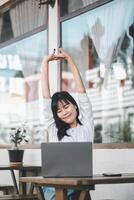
64, 119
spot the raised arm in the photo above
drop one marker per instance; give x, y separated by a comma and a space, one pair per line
76, 74
45, 75
45, 72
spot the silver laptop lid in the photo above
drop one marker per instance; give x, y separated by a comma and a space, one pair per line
67, 159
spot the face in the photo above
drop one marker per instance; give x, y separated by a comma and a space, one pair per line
67, 113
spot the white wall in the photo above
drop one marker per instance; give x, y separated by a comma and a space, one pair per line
104, 160
113, 160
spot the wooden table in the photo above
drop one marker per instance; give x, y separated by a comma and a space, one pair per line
24, 170
82, 184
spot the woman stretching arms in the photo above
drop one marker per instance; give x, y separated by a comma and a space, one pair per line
64, 120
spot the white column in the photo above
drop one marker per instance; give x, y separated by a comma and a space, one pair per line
54, 73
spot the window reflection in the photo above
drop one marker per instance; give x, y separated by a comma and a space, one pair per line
20, 85
103, 49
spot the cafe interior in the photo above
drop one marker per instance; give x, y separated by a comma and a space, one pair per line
99, 36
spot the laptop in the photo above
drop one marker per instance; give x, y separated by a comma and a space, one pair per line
71, 159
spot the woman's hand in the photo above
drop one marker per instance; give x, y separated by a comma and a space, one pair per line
63, 55
50, 57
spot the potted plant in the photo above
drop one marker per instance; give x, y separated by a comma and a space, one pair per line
17, 136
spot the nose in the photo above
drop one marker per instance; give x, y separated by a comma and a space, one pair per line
64, 111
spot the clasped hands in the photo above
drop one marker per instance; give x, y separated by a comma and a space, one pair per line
60, 55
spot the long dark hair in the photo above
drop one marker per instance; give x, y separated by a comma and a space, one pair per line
62, 126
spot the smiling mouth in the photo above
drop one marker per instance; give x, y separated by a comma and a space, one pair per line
66, 117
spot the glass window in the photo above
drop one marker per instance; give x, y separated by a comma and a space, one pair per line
24, 16
102, 47
69, 6
20, 95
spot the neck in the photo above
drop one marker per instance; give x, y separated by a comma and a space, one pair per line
73, 125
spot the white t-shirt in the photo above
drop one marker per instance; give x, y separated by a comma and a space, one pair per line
81, 133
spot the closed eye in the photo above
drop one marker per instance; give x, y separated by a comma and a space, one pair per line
58, 111
66, 106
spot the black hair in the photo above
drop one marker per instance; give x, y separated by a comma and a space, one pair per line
62, 126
